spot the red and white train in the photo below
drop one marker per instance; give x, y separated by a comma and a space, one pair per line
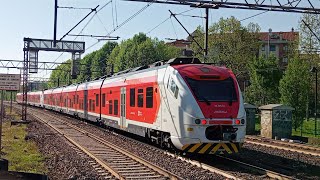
195, 107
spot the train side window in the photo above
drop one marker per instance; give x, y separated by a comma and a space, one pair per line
110, 106
115, 107
140, 97
149, 97
132, 97
97, 99
93, 107
103, 100
90, 102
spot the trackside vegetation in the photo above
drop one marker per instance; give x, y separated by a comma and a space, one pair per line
23, 155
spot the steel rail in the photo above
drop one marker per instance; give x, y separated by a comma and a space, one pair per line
226, 174
112, 170
260, 170
280, 145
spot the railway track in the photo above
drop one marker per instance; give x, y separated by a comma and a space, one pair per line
98, 154
259, 170
109, 160
301, 148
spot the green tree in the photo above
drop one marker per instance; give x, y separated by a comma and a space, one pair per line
230, 43
308, 41
99, 62
294, 89
61, 75
140, 50
265, 75
85, 67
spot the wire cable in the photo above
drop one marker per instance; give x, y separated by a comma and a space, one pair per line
115, 7
174, 28
60, 7
158, 25
167, 20
191, 16
105, 28
112, 14
124, 22
253, 16
108, 2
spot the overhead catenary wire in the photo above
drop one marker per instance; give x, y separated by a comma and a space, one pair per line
116, 11
191, 16
167, 20
66, 7
253, 16
105, 28
124, 22
112, 14
175, 32
97, 11
158, 25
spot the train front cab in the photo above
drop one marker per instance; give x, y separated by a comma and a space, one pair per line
207, 107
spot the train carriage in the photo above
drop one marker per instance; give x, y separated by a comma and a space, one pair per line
48, 99
195, 107
35, 98
67, 97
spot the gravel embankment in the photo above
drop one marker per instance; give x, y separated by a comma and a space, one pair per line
62, 160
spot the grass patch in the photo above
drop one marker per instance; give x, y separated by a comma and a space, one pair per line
307, 128
22, 155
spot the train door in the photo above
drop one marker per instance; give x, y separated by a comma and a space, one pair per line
85, 103
123, 107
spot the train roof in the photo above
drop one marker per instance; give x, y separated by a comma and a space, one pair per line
158, 64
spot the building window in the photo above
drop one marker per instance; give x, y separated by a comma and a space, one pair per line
285, 48
140, 97
115, 107
263, 47
272, 47
132, 97
97, 99
149, 97
103, 100
110, 106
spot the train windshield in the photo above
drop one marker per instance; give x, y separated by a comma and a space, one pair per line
213, 90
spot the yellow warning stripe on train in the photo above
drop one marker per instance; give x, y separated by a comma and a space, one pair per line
215, 148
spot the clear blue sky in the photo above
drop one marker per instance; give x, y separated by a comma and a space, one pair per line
34, 18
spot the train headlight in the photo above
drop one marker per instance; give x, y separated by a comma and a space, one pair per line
237, 121
204, 122
197, 121
242, 121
